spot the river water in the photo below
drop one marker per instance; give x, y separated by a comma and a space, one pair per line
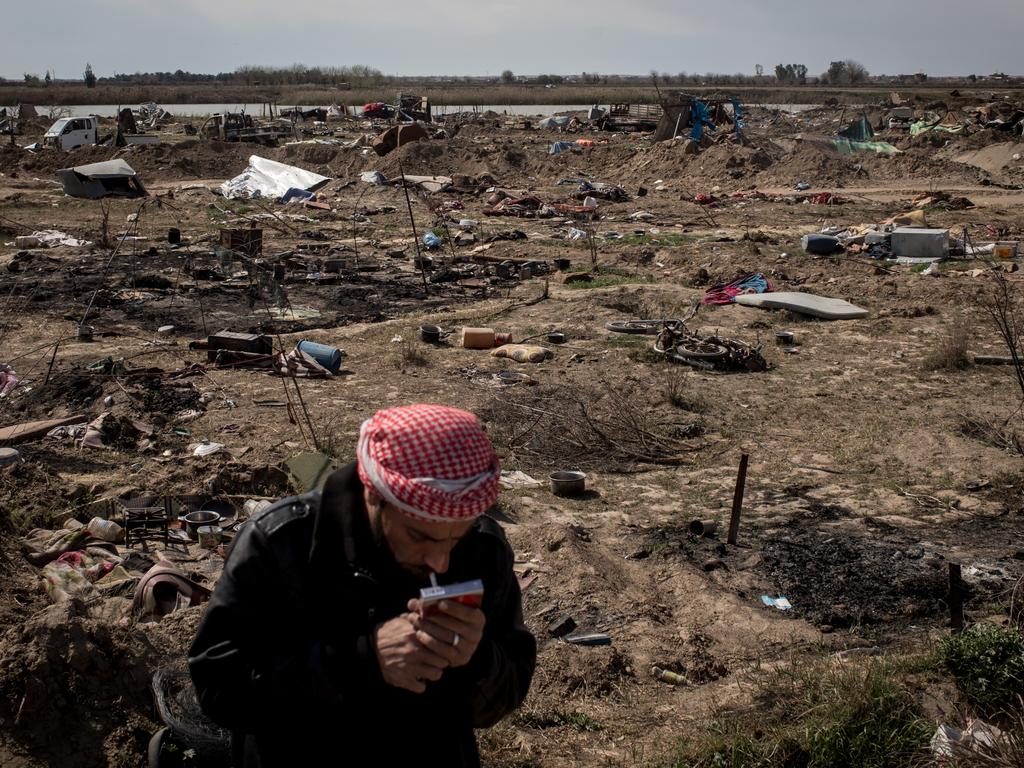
202, 110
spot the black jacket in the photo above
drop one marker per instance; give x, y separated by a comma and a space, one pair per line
283, 656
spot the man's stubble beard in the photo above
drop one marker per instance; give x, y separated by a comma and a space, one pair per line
377, 532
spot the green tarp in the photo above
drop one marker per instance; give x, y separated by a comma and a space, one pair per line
859, 130
923, 127
310, 470
848, 147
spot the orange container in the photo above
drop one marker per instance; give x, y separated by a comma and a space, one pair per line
1005, 250
478, 338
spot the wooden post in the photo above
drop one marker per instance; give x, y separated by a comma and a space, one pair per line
53, 357
737, 499
956, 598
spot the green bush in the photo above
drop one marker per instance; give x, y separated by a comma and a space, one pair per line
988, 664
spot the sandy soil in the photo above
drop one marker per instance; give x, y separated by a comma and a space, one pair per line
860, 453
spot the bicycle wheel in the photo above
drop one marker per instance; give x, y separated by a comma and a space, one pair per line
701, 350
644, 327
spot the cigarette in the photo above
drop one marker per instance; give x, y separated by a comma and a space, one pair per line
433, 579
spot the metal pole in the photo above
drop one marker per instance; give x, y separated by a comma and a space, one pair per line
737, 499
415, 236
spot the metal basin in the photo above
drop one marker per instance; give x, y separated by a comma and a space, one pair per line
568, 483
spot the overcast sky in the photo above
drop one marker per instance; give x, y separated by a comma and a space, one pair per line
437, 37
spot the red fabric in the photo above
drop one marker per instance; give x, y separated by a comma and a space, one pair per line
433, 462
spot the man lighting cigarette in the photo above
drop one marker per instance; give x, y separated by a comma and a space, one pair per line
313, 650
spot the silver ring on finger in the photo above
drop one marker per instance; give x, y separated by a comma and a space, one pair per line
455, 640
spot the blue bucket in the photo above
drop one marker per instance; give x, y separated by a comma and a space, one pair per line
329, 357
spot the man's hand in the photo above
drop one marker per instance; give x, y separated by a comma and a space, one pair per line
404, 661
452, 632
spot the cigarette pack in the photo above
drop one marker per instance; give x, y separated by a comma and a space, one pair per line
466, 592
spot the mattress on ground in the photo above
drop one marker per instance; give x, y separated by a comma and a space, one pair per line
805, 303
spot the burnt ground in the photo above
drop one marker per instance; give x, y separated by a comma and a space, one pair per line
860, 451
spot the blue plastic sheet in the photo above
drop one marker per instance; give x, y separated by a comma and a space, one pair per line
699, 118
562, 146
294, 193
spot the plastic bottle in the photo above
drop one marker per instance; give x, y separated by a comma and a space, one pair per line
667, 676
107, 530
253, 507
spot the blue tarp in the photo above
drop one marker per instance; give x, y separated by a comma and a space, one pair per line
554, 122
294, 193
700, 117
562, 146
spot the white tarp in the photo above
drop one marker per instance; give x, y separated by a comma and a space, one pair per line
49, 238
270, 179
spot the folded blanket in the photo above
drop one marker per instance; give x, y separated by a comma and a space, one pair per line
74, 573
523, 353
165, 589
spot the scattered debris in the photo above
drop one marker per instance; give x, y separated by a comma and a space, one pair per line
713, 352
270, 179
113, 178
781, 602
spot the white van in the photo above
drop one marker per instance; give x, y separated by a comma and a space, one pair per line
72, 132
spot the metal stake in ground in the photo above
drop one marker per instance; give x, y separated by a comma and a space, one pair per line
956, 598
415, 236
737, 499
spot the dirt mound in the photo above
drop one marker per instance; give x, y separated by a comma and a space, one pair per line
189, 159
10, 157
994, 158
71, 390
919, 164
45, 162
500, 158
815, 162
64, 678
182, 160
600, 672
310, 155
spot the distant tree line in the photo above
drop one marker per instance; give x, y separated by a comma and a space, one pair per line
791, 74
297, 74
845, 72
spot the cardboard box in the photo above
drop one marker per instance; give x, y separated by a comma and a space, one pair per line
245, 241
1005, 250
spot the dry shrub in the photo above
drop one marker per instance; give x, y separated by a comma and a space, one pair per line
586, 425
642, 305
680, 395
950, 352
1004, 307
996, 433
411, 355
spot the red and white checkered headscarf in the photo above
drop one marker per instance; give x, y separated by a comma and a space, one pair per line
433, 462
